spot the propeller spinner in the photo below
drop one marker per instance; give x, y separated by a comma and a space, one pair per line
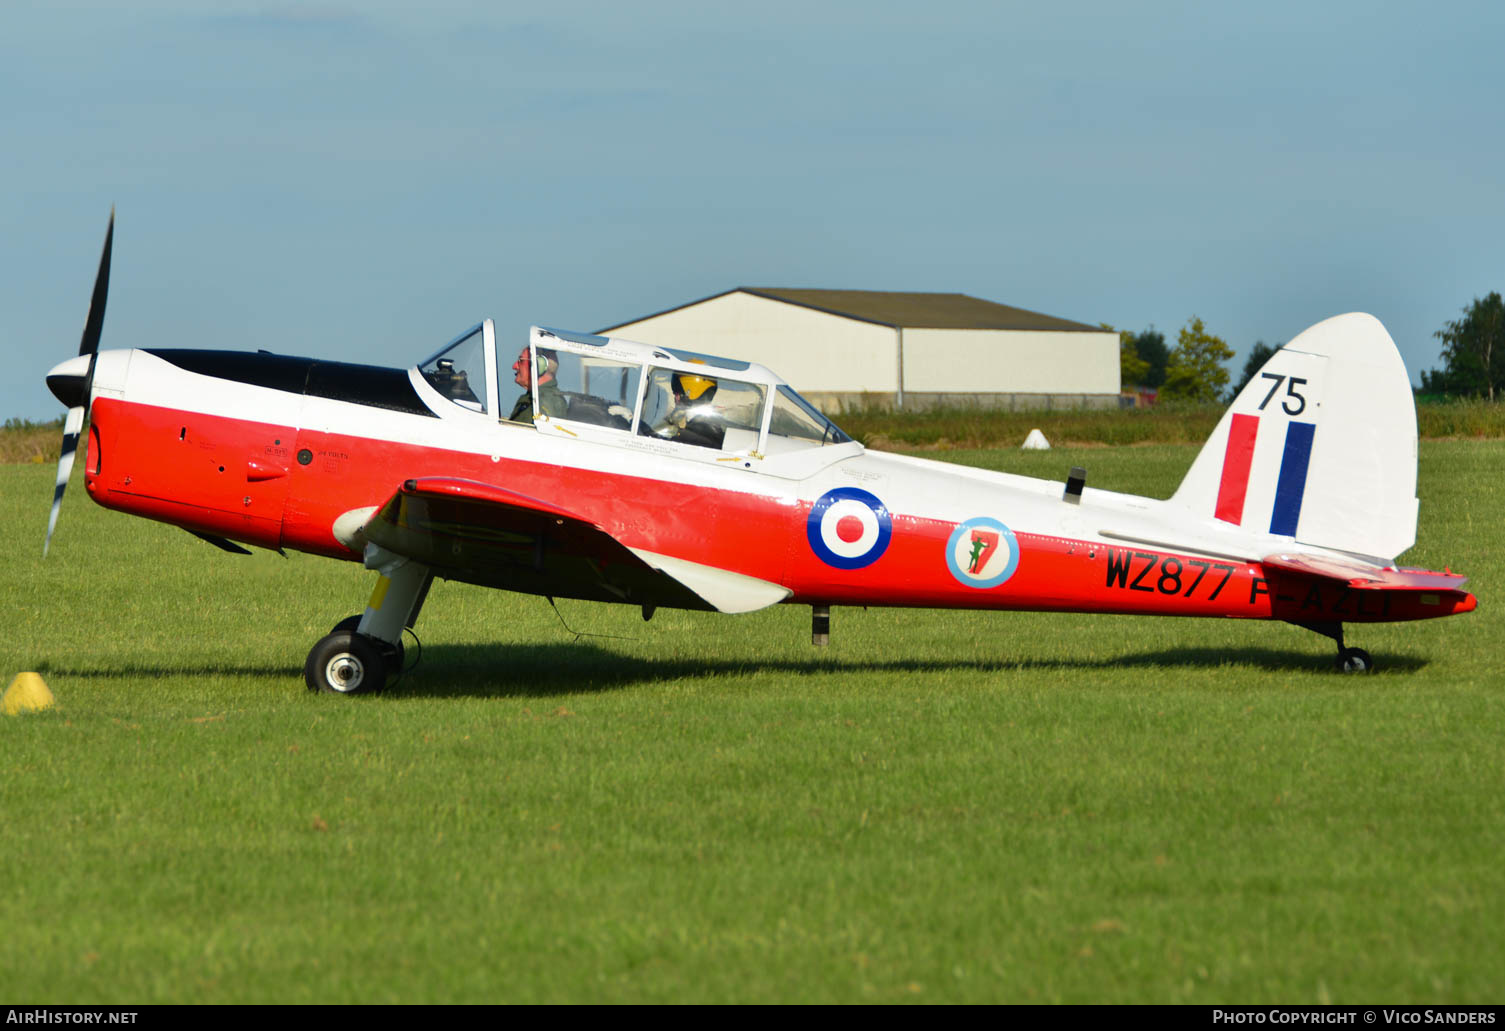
71, 381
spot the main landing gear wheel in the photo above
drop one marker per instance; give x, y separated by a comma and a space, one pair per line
394, 653
345, 662
1354, 660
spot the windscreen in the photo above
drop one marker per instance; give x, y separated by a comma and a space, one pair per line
798, 421
458, 371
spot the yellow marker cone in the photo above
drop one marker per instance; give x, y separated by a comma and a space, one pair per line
27, 693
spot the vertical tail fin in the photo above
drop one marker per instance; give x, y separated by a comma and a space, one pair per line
1320, 446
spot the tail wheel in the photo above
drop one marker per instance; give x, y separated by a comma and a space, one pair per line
1354, 660
345, 662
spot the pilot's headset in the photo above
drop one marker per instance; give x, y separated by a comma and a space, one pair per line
544, 362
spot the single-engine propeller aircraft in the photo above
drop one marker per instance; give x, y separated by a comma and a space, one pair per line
662, 478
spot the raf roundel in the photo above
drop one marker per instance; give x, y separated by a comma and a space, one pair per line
849, 528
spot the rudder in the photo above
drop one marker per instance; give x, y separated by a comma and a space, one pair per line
1320, 446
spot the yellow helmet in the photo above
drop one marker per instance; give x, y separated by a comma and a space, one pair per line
693, 386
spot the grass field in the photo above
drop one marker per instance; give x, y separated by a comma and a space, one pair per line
940, 807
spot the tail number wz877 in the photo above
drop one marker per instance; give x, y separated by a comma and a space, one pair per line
1145, 571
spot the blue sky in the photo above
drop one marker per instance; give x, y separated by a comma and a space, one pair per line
363, 180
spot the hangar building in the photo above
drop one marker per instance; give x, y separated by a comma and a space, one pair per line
842, 348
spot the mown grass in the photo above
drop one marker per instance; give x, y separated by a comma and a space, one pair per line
941, 807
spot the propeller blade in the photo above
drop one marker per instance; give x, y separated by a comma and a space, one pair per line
89, 345
71, 428
96, 320
94, 325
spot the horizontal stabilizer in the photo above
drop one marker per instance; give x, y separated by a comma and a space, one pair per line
1364, 577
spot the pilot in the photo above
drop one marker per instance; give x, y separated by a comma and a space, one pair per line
550, 398
694, 420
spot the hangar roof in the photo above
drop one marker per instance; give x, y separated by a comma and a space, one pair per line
902, 309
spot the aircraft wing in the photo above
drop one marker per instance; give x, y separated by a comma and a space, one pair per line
1362, 576
488, 535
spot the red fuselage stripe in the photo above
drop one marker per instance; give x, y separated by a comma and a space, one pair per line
204, 472
1236, 462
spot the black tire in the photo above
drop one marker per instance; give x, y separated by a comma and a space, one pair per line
1355, 660
346, 663
348, 623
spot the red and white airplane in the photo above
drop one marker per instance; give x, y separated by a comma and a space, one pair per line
662, 478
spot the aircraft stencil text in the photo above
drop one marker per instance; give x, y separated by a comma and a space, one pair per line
1166, 574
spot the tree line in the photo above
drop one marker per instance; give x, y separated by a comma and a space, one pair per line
1473, 352
1191, 371
1473, 355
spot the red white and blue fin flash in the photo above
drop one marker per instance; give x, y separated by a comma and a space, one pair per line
1290, 480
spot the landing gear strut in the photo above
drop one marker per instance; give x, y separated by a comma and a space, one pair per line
1350, 660
393, 654
361, 652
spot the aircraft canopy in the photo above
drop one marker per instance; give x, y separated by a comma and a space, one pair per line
595, 383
